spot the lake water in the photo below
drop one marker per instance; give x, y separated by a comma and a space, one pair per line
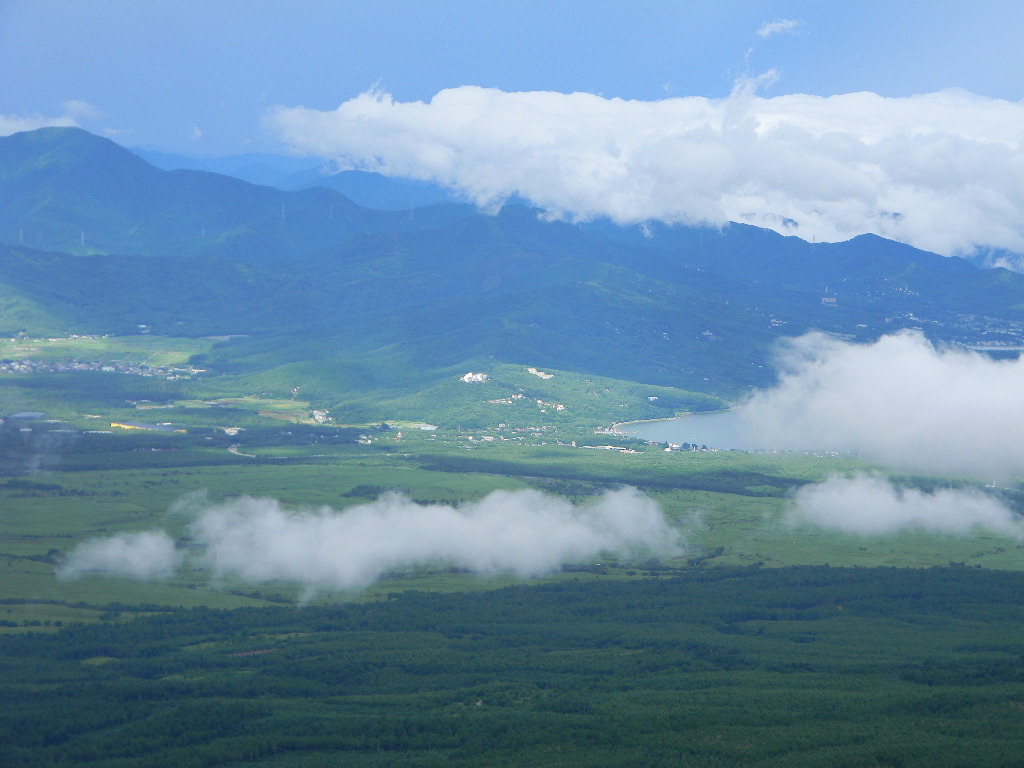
715, 430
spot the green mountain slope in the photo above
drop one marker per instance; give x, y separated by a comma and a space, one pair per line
342, 300
64, 189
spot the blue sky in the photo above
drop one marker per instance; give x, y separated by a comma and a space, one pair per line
822, 120
196, 77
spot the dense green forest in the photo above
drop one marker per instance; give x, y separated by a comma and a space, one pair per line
806, 666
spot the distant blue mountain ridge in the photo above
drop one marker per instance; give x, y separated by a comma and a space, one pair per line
370, 190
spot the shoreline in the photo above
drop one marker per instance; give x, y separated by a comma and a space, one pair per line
615, 427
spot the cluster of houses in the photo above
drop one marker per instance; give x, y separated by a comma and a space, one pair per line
62, 366
686, 447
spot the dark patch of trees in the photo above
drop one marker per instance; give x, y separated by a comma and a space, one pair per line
708, 667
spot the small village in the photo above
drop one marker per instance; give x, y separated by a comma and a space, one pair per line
64, 366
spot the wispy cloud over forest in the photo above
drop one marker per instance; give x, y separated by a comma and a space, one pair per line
872, 505
256, 540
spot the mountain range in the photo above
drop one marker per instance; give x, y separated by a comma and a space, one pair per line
95, 239
369, 190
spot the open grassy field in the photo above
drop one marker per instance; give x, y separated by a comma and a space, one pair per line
142, 349
732, 506
70, 476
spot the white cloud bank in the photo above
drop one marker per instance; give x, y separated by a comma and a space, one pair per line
522, 532
942, 171
869, 504
899, 401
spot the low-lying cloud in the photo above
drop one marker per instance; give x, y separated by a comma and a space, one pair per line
145, 555
527, 533
942, 171
899, 401
870, 504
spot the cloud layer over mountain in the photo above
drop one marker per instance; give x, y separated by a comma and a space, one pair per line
942, 171
10, 124
899, 401
257, 540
